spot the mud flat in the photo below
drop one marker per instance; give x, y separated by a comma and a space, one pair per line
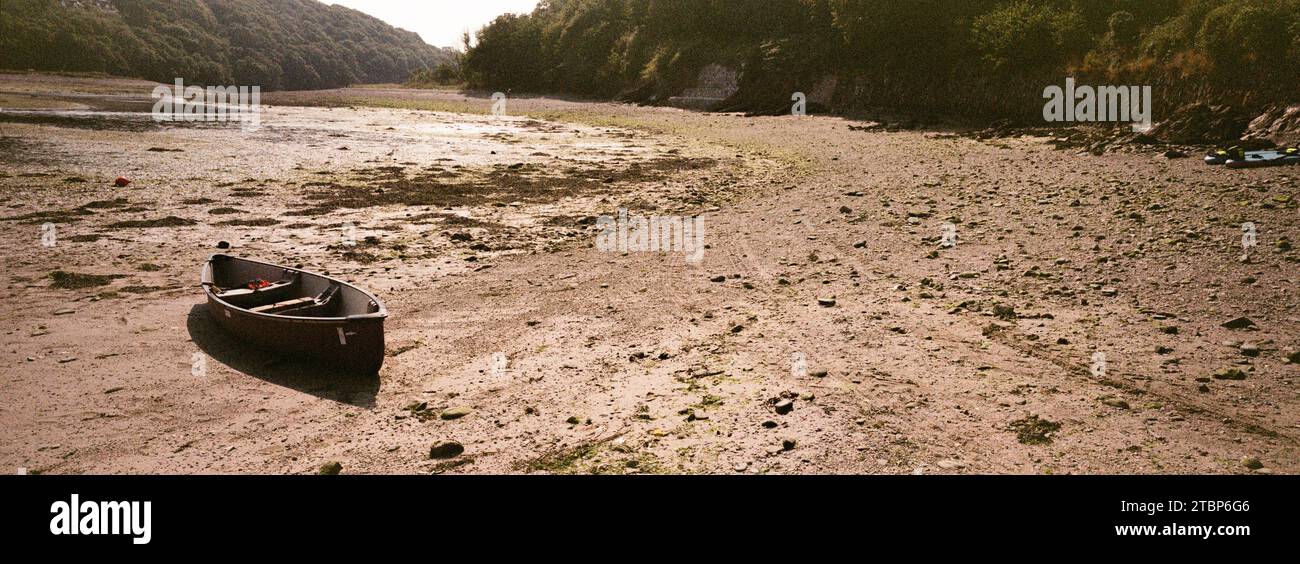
826, 329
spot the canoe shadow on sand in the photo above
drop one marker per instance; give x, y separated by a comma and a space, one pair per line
319, 380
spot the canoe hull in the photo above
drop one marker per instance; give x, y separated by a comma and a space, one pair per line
354, 343
356, 346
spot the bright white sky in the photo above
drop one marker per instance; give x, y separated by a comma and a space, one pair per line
439, 22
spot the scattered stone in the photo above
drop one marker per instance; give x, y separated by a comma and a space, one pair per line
223, 245
784, 406
1239, 323
718, 278
949, 464
1003, 311
1251, 462
818, 373
121, 182
1109, 292
455, 412
573, 420
1230, 374
788, 444
330, 469
769, 424
1249, 349
1175, 154
446, 449
826, 302
1114, 402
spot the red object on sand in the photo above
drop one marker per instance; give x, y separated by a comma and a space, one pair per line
121, 182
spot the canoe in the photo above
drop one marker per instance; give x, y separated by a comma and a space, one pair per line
297, 313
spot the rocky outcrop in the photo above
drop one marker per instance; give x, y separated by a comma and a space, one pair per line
715, 84
1280, 125
1202, 124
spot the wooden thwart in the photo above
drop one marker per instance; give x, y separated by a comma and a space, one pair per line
283, 306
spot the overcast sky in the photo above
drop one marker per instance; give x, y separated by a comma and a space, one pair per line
439, 22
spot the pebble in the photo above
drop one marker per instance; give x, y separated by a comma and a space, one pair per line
784, 406
1115, 402
65, 311
1239, 323
1230, 374
1251, 462
331, 469
788, 444
1249, 349
949, 464
446, 449
455, 412
826, 302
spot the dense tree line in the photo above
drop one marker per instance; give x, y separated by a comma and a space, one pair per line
953, 57
275, 44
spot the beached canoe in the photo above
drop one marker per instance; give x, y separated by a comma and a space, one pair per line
292, 312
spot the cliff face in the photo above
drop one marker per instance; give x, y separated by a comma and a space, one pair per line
275, 44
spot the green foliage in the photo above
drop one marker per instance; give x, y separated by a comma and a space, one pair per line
946, 56
275, 44
1029, 36
446, 74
